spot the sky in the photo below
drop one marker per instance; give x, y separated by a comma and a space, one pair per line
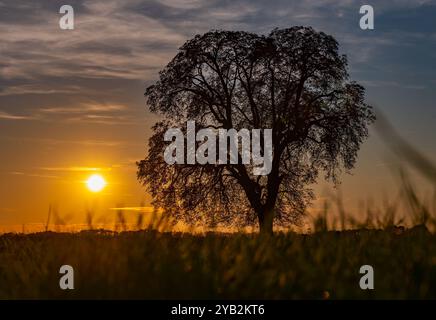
72, 104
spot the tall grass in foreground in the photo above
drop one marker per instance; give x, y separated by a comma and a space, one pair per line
160, 263
154, 265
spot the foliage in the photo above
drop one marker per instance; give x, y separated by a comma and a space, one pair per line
292, 81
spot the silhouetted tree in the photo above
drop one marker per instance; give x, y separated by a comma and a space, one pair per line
293, 81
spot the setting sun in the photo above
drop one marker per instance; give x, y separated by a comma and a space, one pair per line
95, 183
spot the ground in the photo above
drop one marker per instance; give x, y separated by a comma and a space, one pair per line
153, 265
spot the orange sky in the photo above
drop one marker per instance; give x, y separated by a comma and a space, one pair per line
71, 100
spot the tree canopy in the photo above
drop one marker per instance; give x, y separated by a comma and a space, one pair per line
292, 81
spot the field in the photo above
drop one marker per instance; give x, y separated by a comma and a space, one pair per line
157, 265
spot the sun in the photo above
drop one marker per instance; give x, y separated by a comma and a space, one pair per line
95, 183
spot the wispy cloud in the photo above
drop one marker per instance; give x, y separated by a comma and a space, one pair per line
86, 112
85, 108
397, 84
107, 42
136, 209
81, 142
77, 169
133, 39
118, 120
34, 175
40, 89
105, 114
8, 116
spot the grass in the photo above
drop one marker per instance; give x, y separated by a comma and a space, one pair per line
155, 265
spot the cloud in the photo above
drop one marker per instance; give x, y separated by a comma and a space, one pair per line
85, 108
108, 42
136, 209
8, 116
87, 112
76, 169
118, 47
37, 89
82, 142
396, 84
34, 175
133, 39
103, 119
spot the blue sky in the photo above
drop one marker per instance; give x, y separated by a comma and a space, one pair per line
74, 98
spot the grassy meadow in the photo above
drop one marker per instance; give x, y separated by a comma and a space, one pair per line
161, 265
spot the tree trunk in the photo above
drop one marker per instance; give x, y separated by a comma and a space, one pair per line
266, 217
